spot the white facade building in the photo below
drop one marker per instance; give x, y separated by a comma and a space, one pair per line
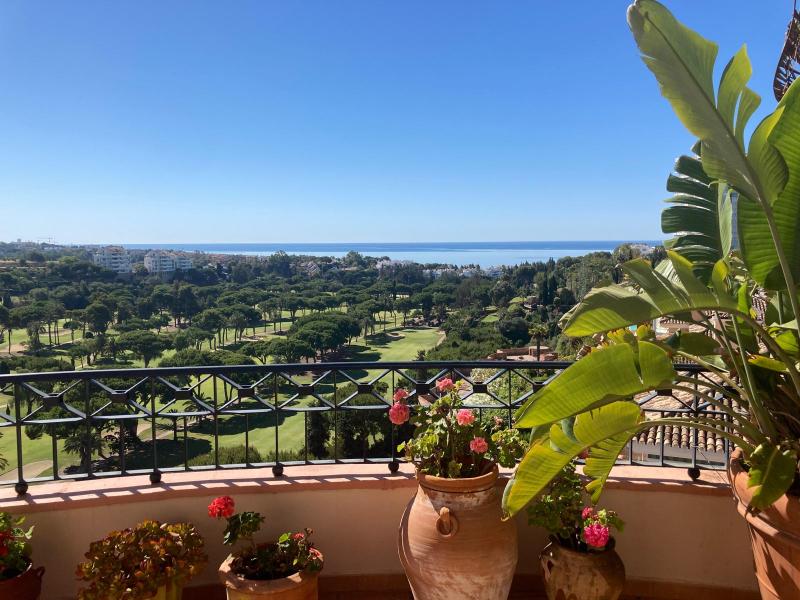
114, 258
158, 262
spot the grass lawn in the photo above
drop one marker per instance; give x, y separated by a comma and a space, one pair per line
396, 344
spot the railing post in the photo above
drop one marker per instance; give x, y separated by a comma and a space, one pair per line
21, 487
155, 476
277, 468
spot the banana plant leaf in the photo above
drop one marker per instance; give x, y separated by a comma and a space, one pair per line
604, 432
782, 133
603, 376
616, 306
683, 63
700, 216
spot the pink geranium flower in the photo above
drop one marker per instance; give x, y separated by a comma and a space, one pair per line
596, 535
399, 413
587, 513
400, 395
445, 385
478, 445
465, 417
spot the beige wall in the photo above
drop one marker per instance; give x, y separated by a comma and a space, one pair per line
679, 535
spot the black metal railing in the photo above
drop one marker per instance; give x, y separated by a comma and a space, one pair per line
85, 424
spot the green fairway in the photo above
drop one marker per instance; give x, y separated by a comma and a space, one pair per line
395, 344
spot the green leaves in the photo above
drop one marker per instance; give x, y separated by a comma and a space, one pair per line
683, 63
605, 375
700, 216
604, 432
772, 472
775, 149
655, 295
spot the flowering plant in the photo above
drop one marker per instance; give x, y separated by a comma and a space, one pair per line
133, 563
289, 554
450, 441
14, 546
561, 511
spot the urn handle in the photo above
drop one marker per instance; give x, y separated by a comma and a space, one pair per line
447, 523
548, 562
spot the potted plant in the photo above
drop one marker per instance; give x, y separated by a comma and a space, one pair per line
149, 561
752, 392
453, 541
285, 569
18, 578
580, 560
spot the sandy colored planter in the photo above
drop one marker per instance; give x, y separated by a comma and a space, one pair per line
300, 586
169, 592
774, 536
26, 586
572, 575
453, 543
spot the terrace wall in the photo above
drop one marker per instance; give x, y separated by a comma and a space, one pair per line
681, 539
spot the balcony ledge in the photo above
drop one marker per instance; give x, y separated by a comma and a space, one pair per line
66, 494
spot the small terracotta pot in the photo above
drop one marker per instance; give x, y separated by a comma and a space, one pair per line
572, 575
774, 536
453, 543
25, 586
300, 586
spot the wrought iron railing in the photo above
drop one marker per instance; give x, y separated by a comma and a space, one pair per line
103, 423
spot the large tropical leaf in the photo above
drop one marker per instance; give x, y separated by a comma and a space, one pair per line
699, 216
654, 295
604, 432
772, 472
683, 63
775, 148
603, 376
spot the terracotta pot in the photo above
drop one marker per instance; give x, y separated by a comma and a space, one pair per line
774, 536
572, 575
300, 586
453, 543
26, 586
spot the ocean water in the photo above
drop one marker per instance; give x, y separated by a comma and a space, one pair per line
484, 254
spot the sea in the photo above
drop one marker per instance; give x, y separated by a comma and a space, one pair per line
483, 254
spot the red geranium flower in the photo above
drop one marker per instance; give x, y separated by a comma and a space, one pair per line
221, 507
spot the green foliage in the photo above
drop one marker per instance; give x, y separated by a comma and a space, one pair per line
448, 438
15, 548
228, 455
291, 553
756, 364
558, 509
243, 525
133, 563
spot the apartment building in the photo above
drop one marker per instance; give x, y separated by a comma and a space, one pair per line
159, 262
114, 258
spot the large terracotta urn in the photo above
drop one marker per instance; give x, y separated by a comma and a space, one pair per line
572, 575
453, 542
774, 536
25, 586
300, 586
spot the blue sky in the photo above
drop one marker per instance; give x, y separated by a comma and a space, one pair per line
364, 121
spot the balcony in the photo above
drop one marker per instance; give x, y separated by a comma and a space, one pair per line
94, 451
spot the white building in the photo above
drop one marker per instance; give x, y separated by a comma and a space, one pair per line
183, 262
114, 258
159, 262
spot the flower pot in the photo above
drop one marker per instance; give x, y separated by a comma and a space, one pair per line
453, 543
774, 536
25, 586
300, 586
572, 575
